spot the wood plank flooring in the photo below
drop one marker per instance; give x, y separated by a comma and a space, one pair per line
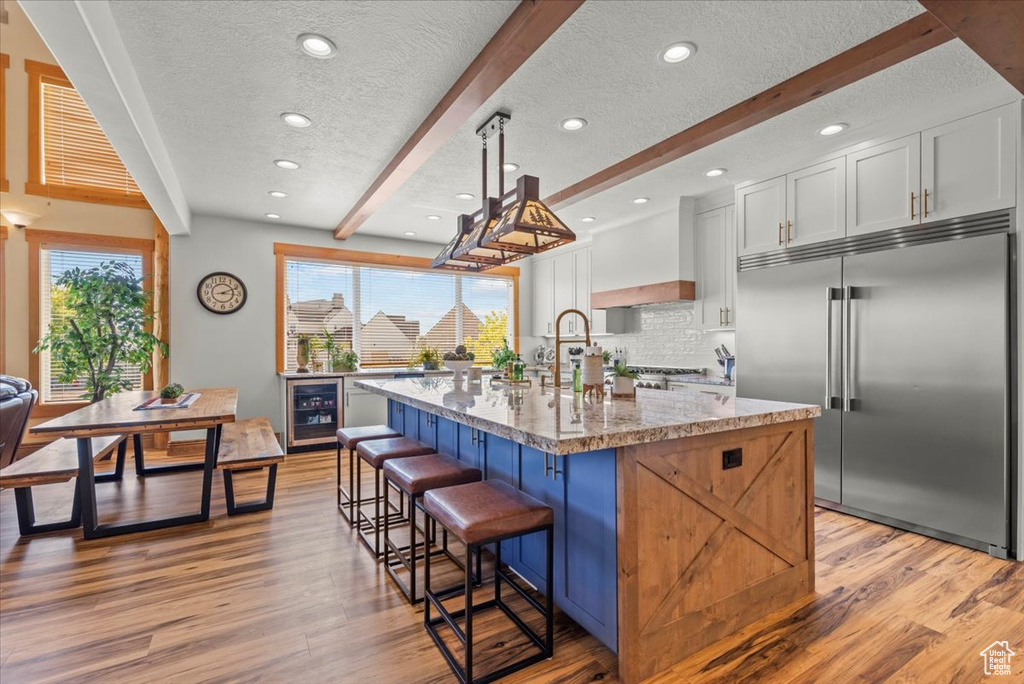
289, 595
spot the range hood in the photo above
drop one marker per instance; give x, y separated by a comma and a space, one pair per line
656, 293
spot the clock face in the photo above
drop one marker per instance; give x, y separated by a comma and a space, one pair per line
221, 293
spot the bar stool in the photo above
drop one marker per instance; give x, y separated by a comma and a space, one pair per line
376, 452
349, 438
483, 513
414, 477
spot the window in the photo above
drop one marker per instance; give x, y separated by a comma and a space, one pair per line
386, 313
69, 155
5, 62
51, 254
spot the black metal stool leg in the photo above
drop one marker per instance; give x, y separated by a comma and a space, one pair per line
469, 614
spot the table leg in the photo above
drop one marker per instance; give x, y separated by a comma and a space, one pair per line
142, 470
118, 473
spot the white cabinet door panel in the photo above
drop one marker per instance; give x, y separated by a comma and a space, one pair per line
565, 288
879, 183
710, 269
760, 212
730, 266
968, 166
543, 297
816, 203
364, 408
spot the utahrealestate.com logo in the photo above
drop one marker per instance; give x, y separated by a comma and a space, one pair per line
997, 658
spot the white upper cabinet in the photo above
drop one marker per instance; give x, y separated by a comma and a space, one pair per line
715, 236
761, 215
816, 203
543, 297
967, 166
565, 290
883, 186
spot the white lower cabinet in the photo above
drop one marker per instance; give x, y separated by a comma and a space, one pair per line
716, 268
967, 166
363, 408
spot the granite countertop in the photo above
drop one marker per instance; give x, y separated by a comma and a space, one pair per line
562, 423
371, 373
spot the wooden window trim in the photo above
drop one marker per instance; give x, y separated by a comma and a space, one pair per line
39, 73
53, 239
283, 251
5, 185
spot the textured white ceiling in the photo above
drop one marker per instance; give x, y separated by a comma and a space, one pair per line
218, 74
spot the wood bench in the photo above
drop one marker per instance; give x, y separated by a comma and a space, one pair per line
54, 463
248, 445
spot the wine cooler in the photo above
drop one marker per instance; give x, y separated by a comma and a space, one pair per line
314, 412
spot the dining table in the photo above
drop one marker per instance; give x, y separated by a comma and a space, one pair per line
123, 414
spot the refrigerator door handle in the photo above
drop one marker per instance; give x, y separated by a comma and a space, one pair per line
831, 294
847, 348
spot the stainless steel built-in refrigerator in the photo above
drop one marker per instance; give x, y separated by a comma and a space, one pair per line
904, 338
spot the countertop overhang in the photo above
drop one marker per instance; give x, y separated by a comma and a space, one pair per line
561, 422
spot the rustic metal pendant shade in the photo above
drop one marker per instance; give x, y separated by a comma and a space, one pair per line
501, 237
528, 225
446, 260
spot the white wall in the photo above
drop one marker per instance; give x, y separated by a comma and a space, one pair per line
238, 350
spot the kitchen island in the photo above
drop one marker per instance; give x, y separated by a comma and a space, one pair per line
680, 517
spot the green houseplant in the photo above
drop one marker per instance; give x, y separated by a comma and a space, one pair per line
430, 357
502, 356
345, 361
104, 329
171, 393
625, 380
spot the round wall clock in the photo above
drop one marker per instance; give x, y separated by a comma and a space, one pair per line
221, 293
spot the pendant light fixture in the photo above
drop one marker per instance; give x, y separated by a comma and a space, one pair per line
500, 236
446, 260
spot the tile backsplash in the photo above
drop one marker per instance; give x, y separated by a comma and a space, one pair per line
668, 336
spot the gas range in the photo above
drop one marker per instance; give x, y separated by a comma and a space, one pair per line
657, 377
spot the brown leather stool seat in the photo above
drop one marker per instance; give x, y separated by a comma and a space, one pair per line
349, 438
414, 476
481, 513
376, 452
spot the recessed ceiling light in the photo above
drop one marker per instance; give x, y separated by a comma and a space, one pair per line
295, 119
588, 219
832, 129
464, 196
641, 200
277, 193
286, 164
272, 215
433, 217
573, 123
677, 52
510, 167
713, 173
316, 45
410, 233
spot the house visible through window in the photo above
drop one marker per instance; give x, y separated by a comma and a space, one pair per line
70, 156
387, 314
53, 311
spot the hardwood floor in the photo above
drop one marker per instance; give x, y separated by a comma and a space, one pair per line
289, 595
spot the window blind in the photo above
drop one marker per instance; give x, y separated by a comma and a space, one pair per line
75, 151
53, 312
388, 314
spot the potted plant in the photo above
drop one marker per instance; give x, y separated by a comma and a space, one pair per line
502, 357
330, 348
316, 346
103, 337
624, 381
459, 360
302, 353
345, 361
606, 357
171, 393
430, 357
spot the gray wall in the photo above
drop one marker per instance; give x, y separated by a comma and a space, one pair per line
238, 350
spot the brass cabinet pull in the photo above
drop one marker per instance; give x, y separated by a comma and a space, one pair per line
926, 202
789, 232
911, 205
780, 232
727, 315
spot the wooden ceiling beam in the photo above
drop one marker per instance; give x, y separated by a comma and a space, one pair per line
525, 30
891, 47
993, 29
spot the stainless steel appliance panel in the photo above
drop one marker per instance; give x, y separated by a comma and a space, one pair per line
782, 338
924, 440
